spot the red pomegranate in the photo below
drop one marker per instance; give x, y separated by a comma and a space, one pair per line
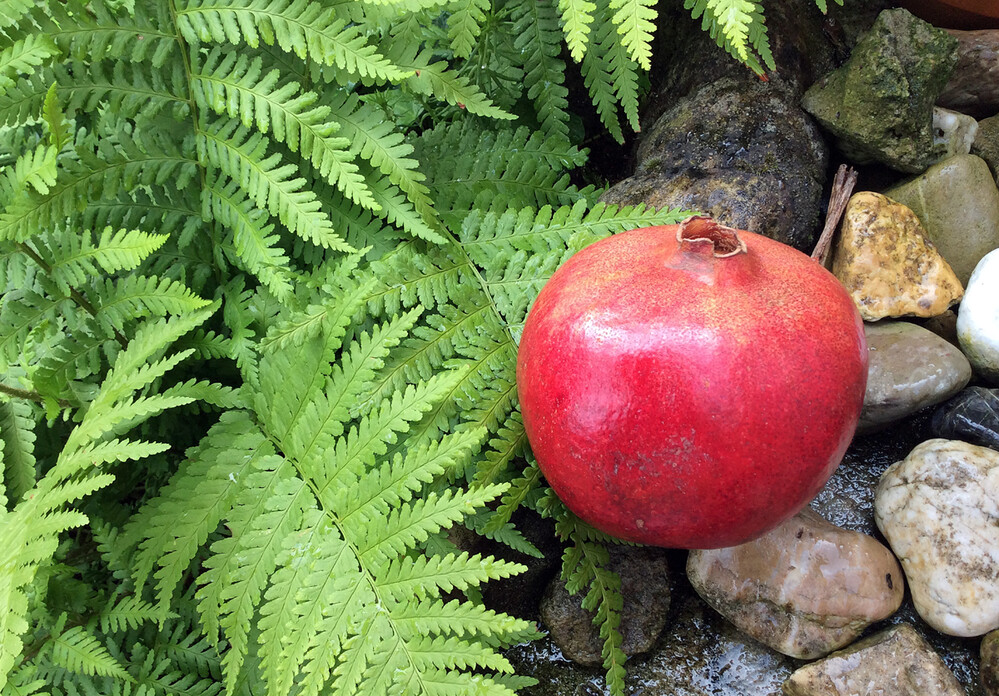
690, 386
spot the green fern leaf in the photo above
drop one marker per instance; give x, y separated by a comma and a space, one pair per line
538, 37
23, 56
577, 21
235, 85
306, 29
464, 23
128, 614
256, 245
78, 651
145, 34
72, 264
17, 433
243, 157
635, 22
12, 10
374, 139
434, 77
134, 297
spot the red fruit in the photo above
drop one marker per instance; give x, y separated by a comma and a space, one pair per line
690, 386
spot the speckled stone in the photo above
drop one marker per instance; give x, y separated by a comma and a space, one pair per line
989, 670
887, 264
978, 320
804, 589
895, 662
958, 204
644, 577
908, 369
938, 509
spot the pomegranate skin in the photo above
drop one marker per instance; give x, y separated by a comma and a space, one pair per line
681, 399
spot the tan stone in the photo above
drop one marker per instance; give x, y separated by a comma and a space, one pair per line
887, 263
804, 589
896, 662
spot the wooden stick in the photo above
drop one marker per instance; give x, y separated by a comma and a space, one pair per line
842, 189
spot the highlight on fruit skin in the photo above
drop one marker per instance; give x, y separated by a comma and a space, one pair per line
691, 385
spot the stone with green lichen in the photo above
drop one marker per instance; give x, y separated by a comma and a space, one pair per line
987, 143
879, 105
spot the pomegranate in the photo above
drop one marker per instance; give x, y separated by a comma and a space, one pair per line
690, 386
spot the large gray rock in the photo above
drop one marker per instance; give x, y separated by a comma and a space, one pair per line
744, 153
909, 368
805, 588
880, 104
896, 662
938, 509
644, 575
958, 204
978, 321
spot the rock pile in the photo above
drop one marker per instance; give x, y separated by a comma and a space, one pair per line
920, 257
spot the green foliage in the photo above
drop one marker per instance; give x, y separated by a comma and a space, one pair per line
264, 265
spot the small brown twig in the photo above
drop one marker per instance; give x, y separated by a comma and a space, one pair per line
842, 189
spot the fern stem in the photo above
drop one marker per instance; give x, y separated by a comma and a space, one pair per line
25, 394
185, 58
74, 294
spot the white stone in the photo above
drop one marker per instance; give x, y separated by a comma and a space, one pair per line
953, 132
978, 318
939, 510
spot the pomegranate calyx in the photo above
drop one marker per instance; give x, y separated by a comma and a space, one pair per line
701, 233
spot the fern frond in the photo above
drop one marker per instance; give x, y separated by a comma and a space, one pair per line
635, 22
308, 30
129, 613
80, 652
464, 23
204, 489
17, 433
374, 139
134, 297
431, 576
253, 238
242, 156
236, 86
577, 21
736, 25
538, 37
23, 56
145, 34
35, 168
11, 12
434, 77
74, 260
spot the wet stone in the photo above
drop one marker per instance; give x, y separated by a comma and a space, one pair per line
937, 509
909, 368
887, 264
746, 154
972, 416
879, 105
958, 204
989, 670
895, 662
644, 576
978, 321
805, 589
